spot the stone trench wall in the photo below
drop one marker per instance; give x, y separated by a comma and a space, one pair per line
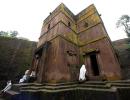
15, 55
122, 48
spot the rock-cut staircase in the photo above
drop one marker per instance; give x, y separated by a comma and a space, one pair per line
90, 90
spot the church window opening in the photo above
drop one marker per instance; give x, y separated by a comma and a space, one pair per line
69, 24
48, 26
86, 24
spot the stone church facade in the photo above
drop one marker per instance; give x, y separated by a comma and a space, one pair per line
67, 41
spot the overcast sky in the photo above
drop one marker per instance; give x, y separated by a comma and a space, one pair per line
26, 16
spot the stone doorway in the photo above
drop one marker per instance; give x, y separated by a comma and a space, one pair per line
94, 64
91, 61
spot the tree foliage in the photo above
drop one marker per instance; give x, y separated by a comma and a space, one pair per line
124, 21
11, 34
3, 33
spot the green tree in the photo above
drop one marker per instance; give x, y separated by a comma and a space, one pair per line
13, 33
3, 33
124, 21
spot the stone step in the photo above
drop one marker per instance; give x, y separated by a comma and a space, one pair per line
8, 95
103, 85
89, 90
79, 94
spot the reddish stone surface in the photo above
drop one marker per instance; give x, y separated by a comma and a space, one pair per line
67, 41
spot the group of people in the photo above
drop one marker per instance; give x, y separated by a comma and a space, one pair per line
27, 77
30, 77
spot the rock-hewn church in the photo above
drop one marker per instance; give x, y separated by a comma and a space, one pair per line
67, 41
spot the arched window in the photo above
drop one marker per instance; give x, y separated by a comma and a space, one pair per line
48, 26
85, 24
69, 24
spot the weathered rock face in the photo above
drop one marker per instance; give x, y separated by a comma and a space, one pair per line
67, 41
122, 48
15, 55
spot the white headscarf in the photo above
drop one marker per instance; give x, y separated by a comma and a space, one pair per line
82, 72
26, 72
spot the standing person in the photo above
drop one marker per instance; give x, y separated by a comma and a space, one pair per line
82, 75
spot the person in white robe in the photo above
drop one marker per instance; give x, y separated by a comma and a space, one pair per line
25, 77
82, 73
8, 86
